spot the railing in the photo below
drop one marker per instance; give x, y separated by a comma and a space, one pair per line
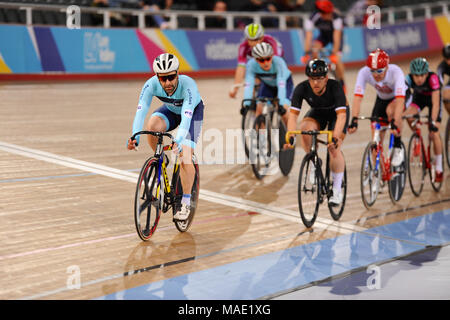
393, 14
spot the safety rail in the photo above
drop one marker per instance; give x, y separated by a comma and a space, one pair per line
392, 14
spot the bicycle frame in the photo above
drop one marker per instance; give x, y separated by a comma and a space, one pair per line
270, 105
313, 149
162, 167
381, 161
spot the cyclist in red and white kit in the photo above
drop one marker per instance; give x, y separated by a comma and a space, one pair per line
389, 82
254, 34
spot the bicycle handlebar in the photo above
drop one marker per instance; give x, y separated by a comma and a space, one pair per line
310, 132
376, 119
261, 99
415, 116
153, 133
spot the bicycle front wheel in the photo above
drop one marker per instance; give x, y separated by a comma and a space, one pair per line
248, 119
260, 153
416, 165
370, 175
183, 226
308, 190
398, 178
147, 204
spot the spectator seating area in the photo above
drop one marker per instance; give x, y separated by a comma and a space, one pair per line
43, 17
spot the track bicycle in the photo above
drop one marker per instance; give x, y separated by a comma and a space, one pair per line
420, 158
376, 168
264, 145
313, 186
154, 192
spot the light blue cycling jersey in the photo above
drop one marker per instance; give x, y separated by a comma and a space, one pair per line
183, 102
275, 77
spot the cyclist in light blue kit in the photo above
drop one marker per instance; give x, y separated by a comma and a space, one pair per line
183, 107
276, 78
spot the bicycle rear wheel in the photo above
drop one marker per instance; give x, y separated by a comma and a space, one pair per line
308, 190
370, 176
260, 150
183, 226
432, 170
398, 178
416, 165
147, 204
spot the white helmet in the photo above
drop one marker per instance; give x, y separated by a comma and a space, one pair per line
262, 50
254, 31
165, 63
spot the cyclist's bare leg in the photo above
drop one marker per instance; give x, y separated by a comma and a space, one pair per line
394, 110
435, 137
446, 98
258, 111
187, 169
305, 125
155, 123
337, 162
412, 109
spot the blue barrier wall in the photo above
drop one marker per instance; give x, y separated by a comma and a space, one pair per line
37, 50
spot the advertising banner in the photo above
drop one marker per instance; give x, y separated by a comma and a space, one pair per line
17, 52
100, 50
215, 49
397, 39
353, 48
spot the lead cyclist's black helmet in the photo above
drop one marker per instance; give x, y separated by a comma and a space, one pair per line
446, 51
316, 68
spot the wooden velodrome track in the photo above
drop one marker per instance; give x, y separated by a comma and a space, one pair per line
67, 191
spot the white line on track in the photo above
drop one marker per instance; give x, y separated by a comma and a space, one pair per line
207, 195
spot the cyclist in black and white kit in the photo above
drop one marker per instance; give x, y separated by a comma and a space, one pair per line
442, 70
329, 108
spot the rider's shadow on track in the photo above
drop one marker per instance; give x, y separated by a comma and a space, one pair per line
239, 181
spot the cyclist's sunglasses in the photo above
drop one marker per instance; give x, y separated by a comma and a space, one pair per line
170, 77
262, 60
379, 71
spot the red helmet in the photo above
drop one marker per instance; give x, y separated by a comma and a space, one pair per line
324, 6
377, 59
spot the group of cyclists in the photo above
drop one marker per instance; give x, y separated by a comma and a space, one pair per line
263, 72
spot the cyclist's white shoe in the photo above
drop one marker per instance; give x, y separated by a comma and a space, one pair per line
336, 199
183, 213
397, 157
